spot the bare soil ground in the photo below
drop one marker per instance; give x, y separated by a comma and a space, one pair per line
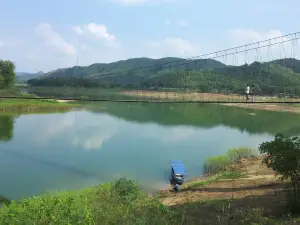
259, 193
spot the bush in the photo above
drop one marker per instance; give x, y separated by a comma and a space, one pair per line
283, 156
237, 154
121, 202
220, 163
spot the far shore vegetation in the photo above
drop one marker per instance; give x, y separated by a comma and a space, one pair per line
170, 95
34, 105
202, 82
8, 89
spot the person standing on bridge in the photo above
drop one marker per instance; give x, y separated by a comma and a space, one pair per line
252, 92
247, 93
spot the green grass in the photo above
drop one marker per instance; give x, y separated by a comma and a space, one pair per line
223, 175
121, 202
8, 105
29, 105
220, 163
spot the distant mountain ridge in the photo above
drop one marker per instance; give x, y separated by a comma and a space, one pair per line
207, 75
23, 76
98, 69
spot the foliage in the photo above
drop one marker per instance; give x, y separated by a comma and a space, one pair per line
7, 73
283, 156
204, 76
236, 154
121, 202
217, 164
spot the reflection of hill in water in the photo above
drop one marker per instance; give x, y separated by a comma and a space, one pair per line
204, 115
6, 127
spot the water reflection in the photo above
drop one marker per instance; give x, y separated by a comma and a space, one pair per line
6, 127
205, 116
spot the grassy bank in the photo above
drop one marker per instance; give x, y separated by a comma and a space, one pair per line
121, 202
29, 105
243, 191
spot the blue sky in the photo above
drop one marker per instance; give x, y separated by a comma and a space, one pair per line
44, 35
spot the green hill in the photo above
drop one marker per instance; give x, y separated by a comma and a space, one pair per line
132, 67
293, 64
202, 75
21, 76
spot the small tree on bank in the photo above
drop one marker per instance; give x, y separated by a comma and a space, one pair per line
283, 156
7, 73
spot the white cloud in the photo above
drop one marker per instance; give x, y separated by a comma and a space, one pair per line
176, 47
47, 49
77, 30
99, 31
239, 37
53, 39
179, 23
140, 2
247, 36
183, 23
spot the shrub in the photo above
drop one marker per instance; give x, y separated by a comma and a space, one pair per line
121, 202
216, 164
283, 156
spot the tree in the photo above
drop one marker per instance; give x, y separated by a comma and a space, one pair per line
283, 156
7, 72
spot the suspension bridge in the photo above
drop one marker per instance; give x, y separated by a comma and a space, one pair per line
271, 66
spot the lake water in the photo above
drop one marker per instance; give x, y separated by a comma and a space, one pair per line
107, 141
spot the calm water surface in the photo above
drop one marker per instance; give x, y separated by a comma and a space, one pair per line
107, 141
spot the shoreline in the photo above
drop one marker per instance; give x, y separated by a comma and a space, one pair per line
258, 187
205, 178
35, 105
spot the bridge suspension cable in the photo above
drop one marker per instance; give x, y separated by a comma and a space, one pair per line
221, 76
